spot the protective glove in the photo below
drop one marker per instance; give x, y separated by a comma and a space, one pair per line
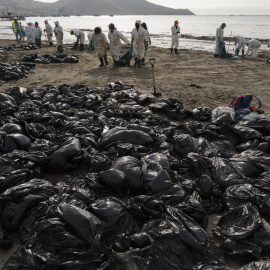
108, 46
218, 39
132, 41
62, 35
89, 46
78, 38
146, 45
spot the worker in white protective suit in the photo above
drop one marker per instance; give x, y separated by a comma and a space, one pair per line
59, 34
144, 26
92, 45
175, 29
38, 33
139, 42
115, 38
49, 31
219, 40
101, 44
253, 45
240, 42
30, 33
80, 37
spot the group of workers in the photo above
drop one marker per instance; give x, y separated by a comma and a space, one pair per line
140, 40
240, 43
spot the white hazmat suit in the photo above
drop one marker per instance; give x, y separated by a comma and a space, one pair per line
100, 41
30, 34
48, 29
240, 43
175, 36
253, 45
219, 38
80, 35
58, 31
139, 36
115, 43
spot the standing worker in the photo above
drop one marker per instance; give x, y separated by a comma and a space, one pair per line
219, 40
139, 42
30, 33
48, 29
38, 33
17, 29
80, 37
240, 42
175, 37
59, 34
253, 45
144, 26
115, 43
101, 42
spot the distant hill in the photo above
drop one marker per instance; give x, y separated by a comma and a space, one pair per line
91, 7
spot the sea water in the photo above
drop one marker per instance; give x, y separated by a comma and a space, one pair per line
197, 32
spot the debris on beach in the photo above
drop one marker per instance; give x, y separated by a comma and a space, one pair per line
50, 58
14, 71
18, 47
138, 188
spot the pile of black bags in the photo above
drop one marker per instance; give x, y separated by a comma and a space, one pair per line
14, 71
138, 188
20, 47
50, 58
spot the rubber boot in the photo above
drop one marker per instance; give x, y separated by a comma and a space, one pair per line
171, 51
139, 63
136, 62
243, 53
106, 62
175, 51
101, 62
143, 64
116, 63
81, 47
51, 44
237, 52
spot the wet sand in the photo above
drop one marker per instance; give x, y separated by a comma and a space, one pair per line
219, 80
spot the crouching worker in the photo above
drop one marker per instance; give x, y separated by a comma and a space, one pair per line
253, 46
101, 45
80, 37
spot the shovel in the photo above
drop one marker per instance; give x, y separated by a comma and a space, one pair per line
152, 62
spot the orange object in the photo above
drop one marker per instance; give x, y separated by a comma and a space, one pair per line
175, 22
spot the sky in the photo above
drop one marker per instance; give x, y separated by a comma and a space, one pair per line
216, 7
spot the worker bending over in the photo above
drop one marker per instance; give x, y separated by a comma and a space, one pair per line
80, 37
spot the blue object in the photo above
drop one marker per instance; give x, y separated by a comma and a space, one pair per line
125, 59
235, 58
221, 49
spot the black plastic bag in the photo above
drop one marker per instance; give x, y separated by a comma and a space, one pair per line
239, 222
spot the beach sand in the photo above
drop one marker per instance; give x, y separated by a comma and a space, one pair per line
220, 80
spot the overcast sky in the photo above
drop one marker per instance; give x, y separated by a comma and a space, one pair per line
216, 7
